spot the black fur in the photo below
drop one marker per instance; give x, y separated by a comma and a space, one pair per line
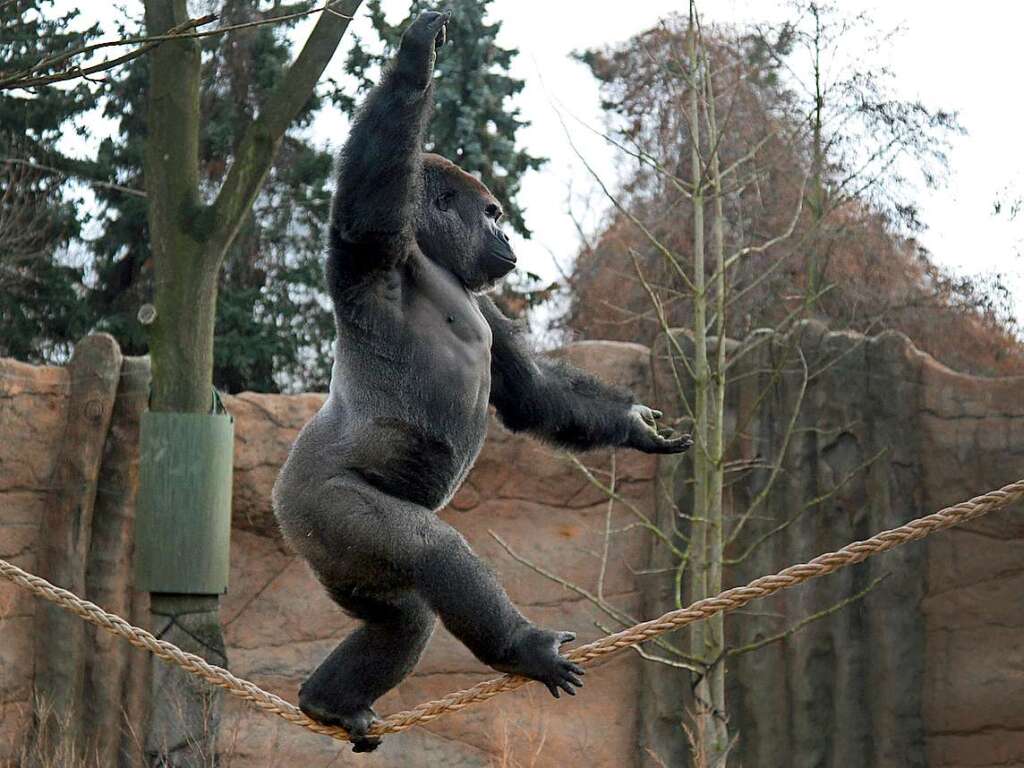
420, 354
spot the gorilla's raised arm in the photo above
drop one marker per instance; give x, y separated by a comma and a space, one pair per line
561, 403
373, 217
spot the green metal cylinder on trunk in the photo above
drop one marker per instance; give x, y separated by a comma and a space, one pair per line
183, 523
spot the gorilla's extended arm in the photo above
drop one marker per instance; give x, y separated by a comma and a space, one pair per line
562, 404
373, 217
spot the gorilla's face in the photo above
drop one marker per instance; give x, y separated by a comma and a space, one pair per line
459, 226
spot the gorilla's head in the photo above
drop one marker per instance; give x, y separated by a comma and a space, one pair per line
458, 227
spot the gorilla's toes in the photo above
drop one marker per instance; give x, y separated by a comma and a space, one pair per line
366, 744
357, 722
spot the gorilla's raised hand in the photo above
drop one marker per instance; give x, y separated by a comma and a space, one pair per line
645, 436
420, 42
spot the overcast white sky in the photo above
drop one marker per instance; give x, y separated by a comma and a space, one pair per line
950, 56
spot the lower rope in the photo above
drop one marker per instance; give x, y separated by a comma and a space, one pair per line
729, 600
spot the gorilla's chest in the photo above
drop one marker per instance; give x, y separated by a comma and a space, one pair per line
446, 323
450, 364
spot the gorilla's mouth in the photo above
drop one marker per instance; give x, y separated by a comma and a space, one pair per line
501, 259
498, 258
502, 262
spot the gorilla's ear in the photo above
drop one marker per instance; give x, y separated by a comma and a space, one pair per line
444, 200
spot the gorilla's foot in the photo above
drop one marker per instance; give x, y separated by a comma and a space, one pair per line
535, 655
356, 721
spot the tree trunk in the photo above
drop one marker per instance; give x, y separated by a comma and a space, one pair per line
698, 549
718, 748
183, 723
181, 338
815, 257
705, 551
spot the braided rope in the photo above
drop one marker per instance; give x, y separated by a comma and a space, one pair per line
729, 600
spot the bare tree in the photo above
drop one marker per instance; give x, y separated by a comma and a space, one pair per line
67, 65
685, 222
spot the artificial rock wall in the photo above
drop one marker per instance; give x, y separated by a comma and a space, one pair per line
927, 668
278, 624
923, 668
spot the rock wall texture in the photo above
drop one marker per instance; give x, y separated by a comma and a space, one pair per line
925, 669
972, 436
921, 669
33, 411
845, 690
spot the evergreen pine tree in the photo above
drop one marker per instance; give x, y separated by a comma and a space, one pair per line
41, 314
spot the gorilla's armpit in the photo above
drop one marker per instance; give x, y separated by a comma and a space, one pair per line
419, 355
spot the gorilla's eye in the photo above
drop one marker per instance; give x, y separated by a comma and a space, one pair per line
444, 200
493, 211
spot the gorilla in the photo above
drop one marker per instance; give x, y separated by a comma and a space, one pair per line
421, 351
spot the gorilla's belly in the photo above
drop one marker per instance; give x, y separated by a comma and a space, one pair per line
424, 452
410, 390
404, 461
413, 433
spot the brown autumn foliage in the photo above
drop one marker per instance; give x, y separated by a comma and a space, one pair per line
874, 275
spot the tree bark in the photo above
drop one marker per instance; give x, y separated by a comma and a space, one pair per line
64, 535
719, 747
703, 715
815, 258
181, 338
707, 639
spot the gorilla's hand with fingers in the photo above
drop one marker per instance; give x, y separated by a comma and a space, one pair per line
644, 434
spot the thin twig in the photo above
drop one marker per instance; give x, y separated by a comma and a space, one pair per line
70, 174
22, 80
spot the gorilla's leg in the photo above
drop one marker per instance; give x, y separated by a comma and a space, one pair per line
365, 543
474, 607
369, 662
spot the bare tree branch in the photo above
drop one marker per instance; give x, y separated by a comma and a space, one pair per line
26, 78
72, 175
